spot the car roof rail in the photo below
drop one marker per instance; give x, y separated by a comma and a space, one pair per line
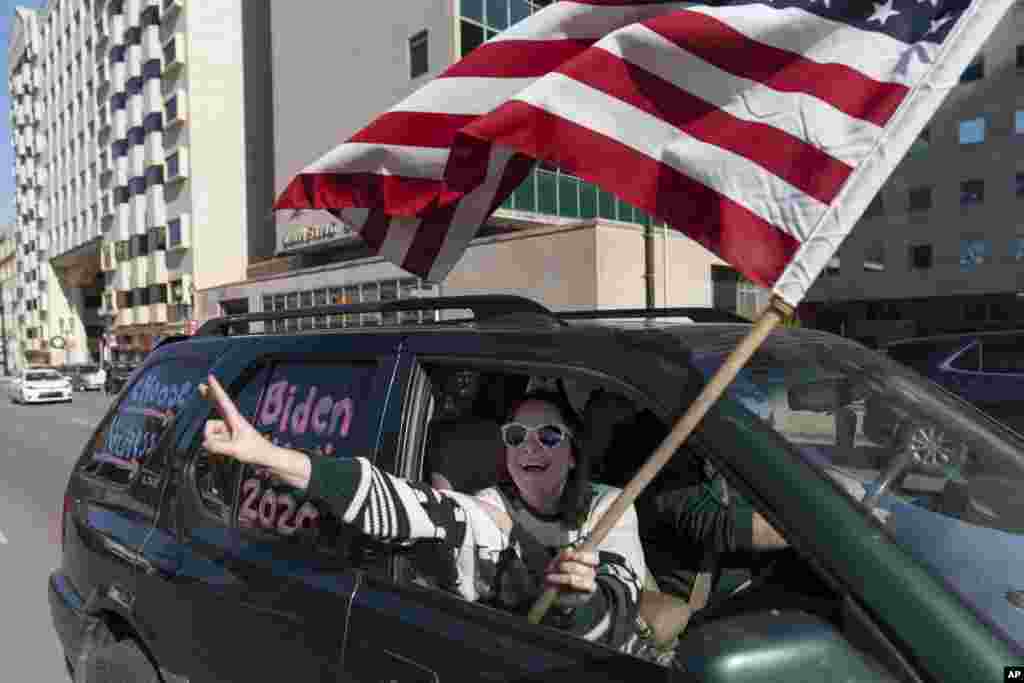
483, 306
171, 340
697, 315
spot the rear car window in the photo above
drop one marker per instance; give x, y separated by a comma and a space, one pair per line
922, 356
314, 407
41, 376
142, 417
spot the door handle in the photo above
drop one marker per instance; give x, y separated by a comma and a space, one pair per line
132, 557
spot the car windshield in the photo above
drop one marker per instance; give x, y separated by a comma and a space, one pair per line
42, 376
945, 480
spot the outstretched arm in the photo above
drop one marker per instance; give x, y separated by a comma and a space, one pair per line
381, 505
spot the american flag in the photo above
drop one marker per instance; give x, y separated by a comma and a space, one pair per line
760, 129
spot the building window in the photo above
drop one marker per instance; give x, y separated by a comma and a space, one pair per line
972, 131
973, 253
1020, 56
975, 71
172, 166
972, 192
1017, 249
1018, 122
921, 257
419, 62
921, 144
874, 257
1020, 184
158, 294
174, 232
920, 198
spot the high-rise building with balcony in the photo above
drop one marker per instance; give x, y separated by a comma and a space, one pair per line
132, 146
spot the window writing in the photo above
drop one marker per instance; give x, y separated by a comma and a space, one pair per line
312, 407
142, 416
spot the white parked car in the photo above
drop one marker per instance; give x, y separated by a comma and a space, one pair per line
39, 385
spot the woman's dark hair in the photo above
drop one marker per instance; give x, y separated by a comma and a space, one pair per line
576, 497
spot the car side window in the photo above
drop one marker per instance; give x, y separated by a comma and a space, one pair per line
969, 360
1002, 357
315, 407
216, 477
142, 417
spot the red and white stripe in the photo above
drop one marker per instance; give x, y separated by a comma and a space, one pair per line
760, 132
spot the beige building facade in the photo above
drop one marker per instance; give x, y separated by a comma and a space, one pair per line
558, 239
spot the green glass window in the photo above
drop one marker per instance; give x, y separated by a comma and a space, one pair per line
625, 211
526, 194
606, 204
497, 14
547, 193
472, 9
519, 10
588, 200
568, 196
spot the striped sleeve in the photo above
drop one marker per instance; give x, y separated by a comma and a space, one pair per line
392, 509
610, 617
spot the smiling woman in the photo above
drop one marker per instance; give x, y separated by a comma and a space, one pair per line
500, 546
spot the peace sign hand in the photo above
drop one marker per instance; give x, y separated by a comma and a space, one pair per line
233, 436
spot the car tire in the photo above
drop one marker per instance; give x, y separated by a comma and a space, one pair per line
120, 662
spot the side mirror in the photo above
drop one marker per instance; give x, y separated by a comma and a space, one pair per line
774, 646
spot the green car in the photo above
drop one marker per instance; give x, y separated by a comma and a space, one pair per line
900, 506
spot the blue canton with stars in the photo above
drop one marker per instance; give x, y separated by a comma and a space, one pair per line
909, 21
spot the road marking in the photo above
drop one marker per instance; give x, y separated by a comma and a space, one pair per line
3, 539
82, 422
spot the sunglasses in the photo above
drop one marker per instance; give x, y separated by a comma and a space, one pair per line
515, 434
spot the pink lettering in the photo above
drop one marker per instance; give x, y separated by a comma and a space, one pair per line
247, 512
342, 410
274, 405
287, 409
285, 520
300, 418
268, 509
323, 406
307, 516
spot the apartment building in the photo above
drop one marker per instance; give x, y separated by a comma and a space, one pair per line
8, 283
558, 239
941, 249
132, 150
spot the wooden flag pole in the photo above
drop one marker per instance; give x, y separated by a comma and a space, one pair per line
777, 311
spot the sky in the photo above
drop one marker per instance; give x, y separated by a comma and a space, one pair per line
6, 153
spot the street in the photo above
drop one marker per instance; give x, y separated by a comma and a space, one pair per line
38, 446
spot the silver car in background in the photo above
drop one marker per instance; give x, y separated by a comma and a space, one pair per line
86, 377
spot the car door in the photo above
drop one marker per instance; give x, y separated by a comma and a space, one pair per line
401, 631
1002, 370
116, 491
263, 576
